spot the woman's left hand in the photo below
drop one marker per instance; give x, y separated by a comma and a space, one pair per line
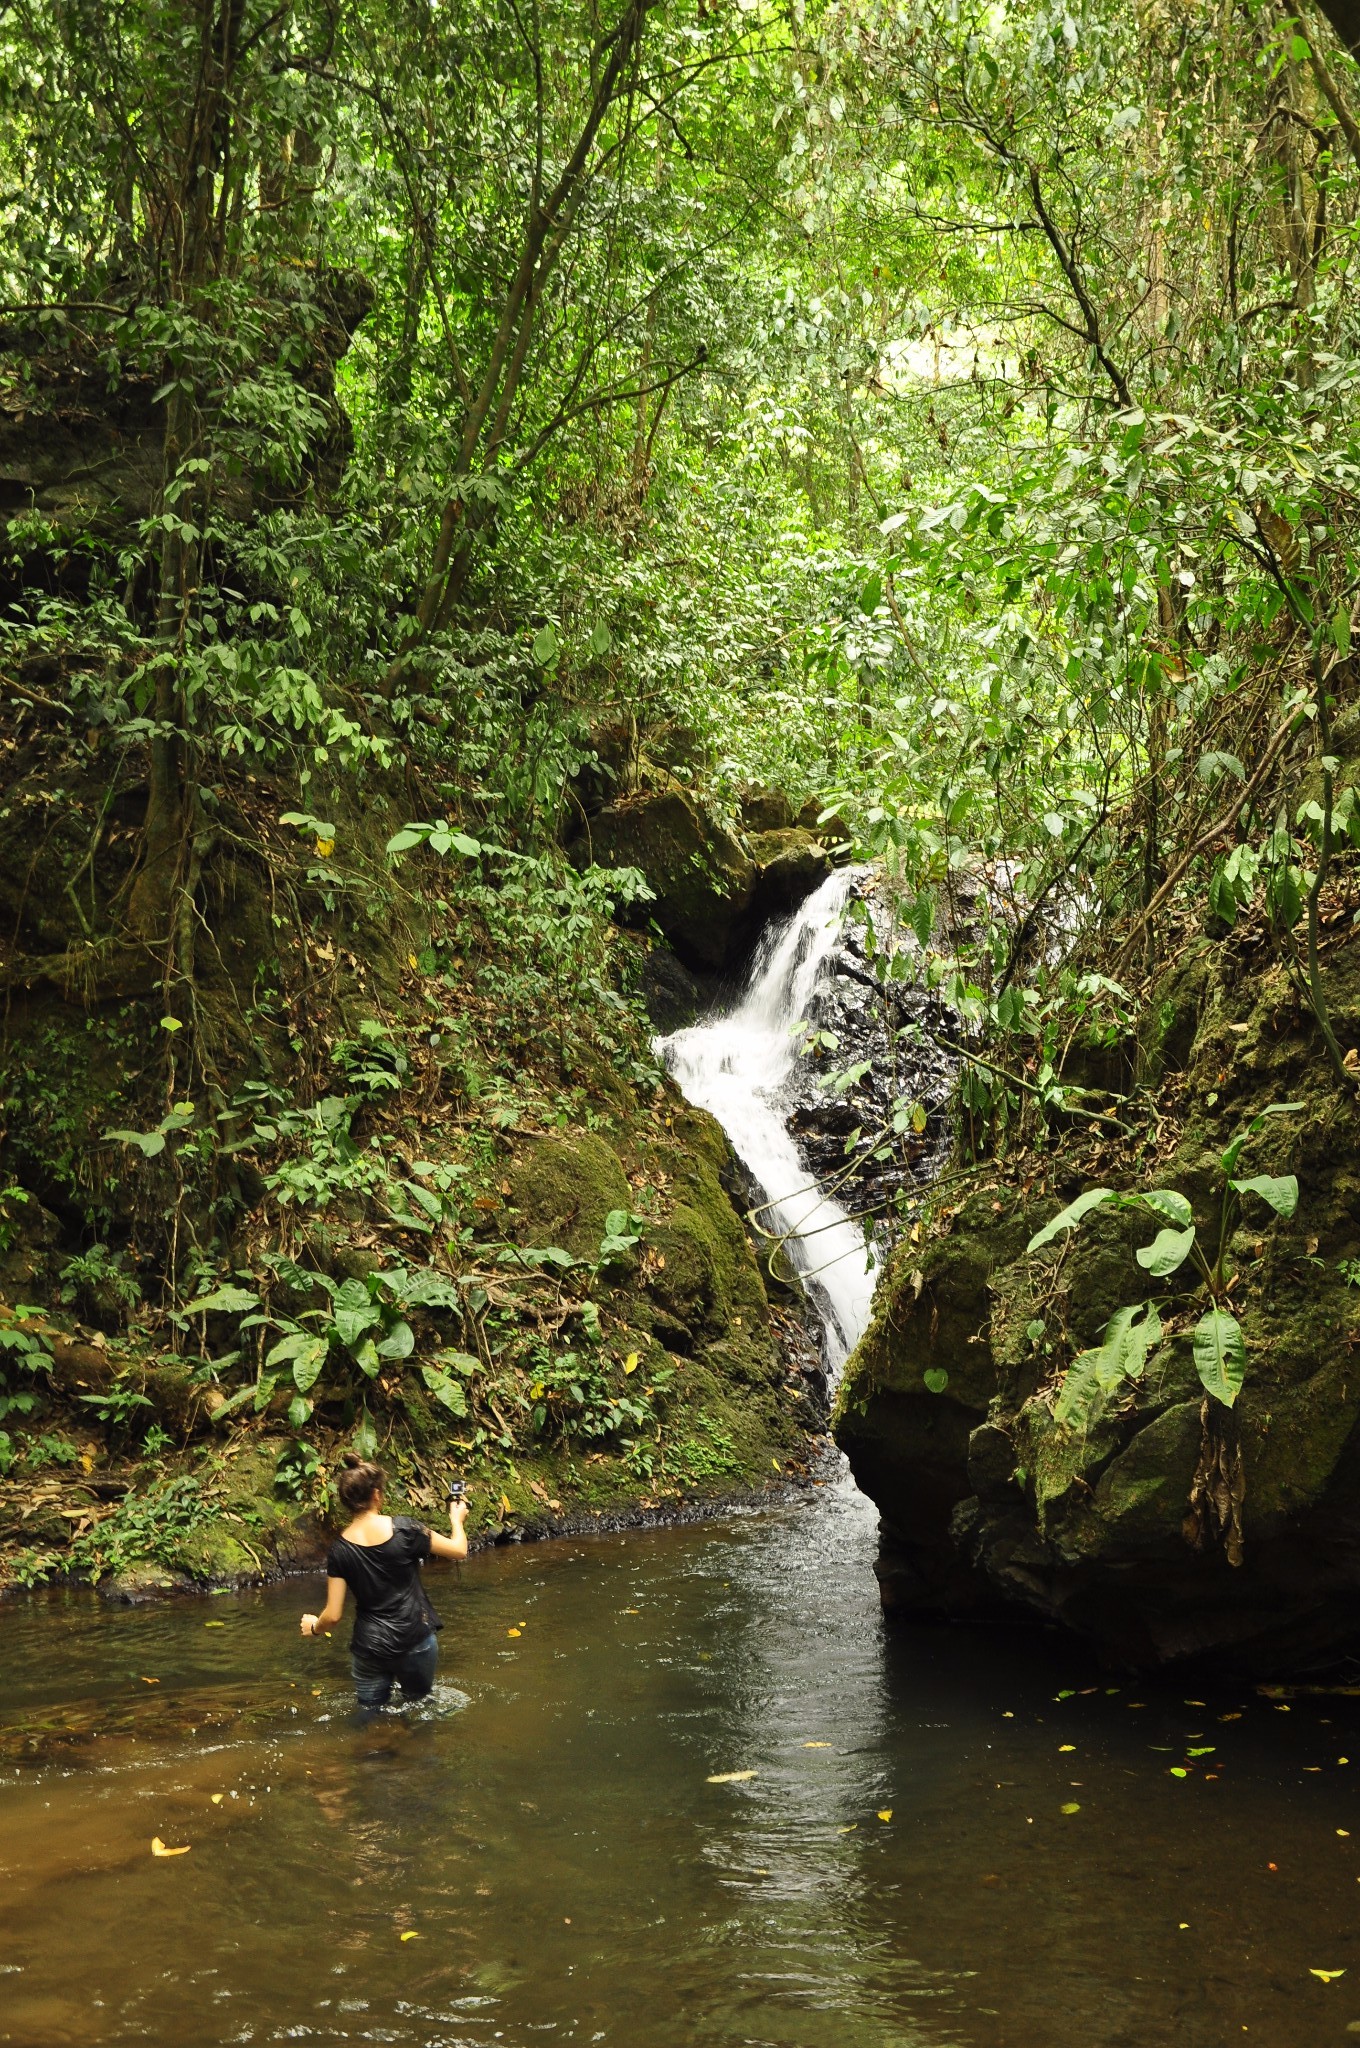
309, 1624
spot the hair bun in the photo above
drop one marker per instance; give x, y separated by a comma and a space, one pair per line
352, 1460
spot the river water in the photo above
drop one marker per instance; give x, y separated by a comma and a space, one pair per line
677, 1789
550, 1836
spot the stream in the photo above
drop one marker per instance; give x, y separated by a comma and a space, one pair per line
675, 1789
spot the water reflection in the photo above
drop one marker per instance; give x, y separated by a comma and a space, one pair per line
547, 1836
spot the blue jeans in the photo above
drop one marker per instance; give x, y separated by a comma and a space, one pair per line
413, 1671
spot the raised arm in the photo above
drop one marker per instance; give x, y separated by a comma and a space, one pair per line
314, 1624
455, 1545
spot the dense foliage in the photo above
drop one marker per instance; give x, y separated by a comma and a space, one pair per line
945, 411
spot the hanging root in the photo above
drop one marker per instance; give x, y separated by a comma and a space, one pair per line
1219, 1486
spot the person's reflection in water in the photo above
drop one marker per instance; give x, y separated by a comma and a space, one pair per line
378, 1559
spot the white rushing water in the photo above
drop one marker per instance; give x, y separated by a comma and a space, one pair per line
738, 1067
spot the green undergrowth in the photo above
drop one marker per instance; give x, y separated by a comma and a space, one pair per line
404, 1177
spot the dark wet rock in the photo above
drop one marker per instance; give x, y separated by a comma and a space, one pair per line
946, 1411
140, 1584
903, 1036
765, 810
672, 995
790, 863
701, 878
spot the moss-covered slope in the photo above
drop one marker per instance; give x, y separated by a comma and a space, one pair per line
990, 1503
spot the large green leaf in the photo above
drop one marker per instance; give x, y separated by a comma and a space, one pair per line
222, 1301
398, 1343
354, 1312
446, 1391
1279, 1191
1130, 1335
1091, 1379
1068, 1218
1220, 1355
1168, 1202
428, 1289
1169, 1249
307, 1364
1094, 1375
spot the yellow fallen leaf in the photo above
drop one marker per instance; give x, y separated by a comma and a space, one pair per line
325, 847
1072, 1806
512, 1631
410, 1935
816, 1745
158, 1848
506, 1508
1327, 1976
730, 1777
777, 1466
630, 1363
151, 1681
1066, 1748
214, 1624
411, 961
217, 1797
850, 1830
885, 1813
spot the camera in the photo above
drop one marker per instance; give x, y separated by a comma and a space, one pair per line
457, 1491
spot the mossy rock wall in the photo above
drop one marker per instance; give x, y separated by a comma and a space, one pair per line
990, 1505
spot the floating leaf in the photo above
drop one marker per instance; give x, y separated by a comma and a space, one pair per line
730, 1777
1327, 1976
885, 1813
1071, 1806
816, 1745
411, 1934
158, 1848
217, 1797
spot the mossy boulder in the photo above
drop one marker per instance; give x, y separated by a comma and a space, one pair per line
562, 1189
946, 1411
700, 877
790, 863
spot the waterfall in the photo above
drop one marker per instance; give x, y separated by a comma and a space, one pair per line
737, 1067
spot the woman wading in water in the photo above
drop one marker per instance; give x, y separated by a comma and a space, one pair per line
379, 1558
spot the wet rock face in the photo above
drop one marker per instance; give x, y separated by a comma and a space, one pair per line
990, 1505
713, 889
903, 1036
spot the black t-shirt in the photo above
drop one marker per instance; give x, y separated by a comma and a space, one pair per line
394, 1612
